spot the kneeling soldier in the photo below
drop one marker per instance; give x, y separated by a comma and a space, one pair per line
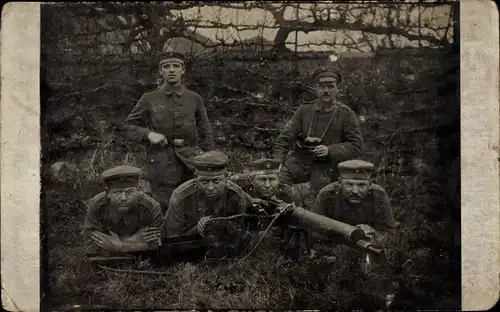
121, 219
355, 200
208, 195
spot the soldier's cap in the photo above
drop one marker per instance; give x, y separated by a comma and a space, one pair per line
265, 166
355, 169
211, 163
121, 177
327, 72
170, 55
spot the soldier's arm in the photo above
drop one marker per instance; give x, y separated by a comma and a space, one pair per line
92, 223
288, 135
137, 125
353, 143
175, 221
204, 127
154, 221
383, 211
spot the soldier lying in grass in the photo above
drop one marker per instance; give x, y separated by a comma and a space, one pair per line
121, 219
355, 200
208, 195
263, 182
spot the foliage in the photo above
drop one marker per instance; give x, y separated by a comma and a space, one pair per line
409, 116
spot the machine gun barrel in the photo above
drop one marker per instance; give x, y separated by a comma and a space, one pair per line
330, 228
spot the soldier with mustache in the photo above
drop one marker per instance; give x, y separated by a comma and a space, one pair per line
319, 135
356, 200
122, 218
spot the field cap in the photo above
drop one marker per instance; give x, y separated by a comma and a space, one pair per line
265, 166
121, 177
171, 55
211, 163
355, 169
327, 72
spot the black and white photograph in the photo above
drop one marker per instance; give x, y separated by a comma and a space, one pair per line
250, 155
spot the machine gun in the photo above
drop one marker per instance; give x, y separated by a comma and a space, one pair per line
303, 222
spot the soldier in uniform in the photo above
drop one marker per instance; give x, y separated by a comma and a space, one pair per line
320, 135
121, 219
173, 122
208, 195
264, 182
355, 200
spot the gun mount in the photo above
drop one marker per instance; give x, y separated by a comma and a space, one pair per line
305, 221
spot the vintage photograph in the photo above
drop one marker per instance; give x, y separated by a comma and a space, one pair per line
250, 155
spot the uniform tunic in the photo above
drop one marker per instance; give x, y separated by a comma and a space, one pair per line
177, 113
187, 206
103, 218
338, 126
375, 210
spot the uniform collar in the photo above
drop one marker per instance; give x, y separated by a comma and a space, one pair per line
169, 89
318, 106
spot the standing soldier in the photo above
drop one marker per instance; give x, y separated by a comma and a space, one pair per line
321, 134
121, 219
173, 120
208, 195
355, 200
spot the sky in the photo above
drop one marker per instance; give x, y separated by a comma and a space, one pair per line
207, 15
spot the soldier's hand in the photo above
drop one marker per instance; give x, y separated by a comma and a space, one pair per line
157, 138
201, 225
107, 242
150, 234
369, 231
320, 151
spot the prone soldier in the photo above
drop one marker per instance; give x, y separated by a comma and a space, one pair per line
321, 134
355, 200
121, 219
174, 121
208, 195
264, 182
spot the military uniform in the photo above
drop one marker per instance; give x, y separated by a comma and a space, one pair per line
102, 217
336, 126
375, 210
177, 113
188, 205
284, 192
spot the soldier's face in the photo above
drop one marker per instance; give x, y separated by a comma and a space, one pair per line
354, 190
326, 88
172, 71
266, 185
211, 186
123, 199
